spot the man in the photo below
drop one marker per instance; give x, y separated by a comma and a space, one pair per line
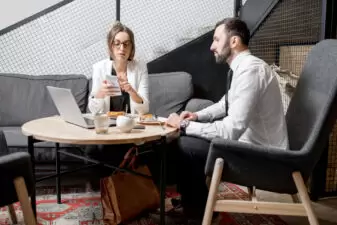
254, 113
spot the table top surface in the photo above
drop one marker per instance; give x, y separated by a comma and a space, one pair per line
55, 129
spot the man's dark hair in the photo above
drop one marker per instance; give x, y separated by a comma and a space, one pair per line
236, 27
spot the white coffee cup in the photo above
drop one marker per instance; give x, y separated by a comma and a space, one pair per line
125, 123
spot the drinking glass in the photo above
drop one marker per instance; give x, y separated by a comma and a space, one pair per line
101, 122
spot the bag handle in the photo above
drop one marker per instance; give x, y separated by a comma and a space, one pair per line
130, 156
132, 162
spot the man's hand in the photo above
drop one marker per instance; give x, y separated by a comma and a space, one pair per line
174, 120
185, 115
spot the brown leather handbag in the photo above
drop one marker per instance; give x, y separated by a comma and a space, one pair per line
124, 195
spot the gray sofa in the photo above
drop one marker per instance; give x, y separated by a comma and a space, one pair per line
24, 98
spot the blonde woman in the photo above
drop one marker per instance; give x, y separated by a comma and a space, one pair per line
133, 79
131, 74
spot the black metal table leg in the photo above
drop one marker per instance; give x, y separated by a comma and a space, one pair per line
31, 152
162, 181
58, 177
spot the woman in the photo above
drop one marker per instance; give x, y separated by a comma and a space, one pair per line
131, 74
132, 78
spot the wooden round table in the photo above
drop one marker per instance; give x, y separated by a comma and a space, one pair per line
55, 129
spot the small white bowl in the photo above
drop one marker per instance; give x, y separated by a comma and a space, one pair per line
125, 124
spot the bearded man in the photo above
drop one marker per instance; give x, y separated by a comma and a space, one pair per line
251, 111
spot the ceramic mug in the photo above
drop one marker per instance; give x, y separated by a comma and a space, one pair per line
125, 124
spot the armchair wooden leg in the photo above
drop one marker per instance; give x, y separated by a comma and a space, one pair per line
27, 211
303, 193
12, 214
216, 177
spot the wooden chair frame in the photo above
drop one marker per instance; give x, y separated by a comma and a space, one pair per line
301, 206
21, 191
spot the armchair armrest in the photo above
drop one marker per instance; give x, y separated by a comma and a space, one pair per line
197, 104
12, 166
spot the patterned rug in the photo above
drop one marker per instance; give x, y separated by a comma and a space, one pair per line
85, 209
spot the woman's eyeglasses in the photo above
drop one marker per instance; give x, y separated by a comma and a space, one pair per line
118, 44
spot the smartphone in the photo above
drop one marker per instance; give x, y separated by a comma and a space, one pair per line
139, 126
113, 80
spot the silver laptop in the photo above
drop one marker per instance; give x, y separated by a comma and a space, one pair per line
68, 108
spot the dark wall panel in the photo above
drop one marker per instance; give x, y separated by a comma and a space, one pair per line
290, 22
253, 12
209, 78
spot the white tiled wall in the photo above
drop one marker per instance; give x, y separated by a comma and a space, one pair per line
163, 24
70, 39
14, 11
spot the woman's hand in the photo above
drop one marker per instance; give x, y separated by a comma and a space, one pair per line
107, 89
126, 86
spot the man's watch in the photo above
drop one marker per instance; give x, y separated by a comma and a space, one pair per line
183, 125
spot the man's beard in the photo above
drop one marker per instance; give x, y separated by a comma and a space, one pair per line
223, 55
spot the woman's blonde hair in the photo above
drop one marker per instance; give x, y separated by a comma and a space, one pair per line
116, 28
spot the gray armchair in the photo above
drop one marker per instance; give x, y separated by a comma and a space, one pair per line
310, 118
15, 174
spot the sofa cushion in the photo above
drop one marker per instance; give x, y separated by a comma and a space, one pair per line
15, 138
197, 104
24, 97
169, 92
44, 151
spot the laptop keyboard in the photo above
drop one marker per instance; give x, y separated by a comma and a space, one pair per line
89, 121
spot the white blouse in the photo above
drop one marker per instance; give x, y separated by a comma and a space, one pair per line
137, 77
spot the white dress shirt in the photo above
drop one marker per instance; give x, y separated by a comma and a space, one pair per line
137, 77
255, 113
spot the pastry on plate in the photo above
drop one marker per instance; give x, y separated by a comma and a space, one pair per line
147, 117
116, 113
